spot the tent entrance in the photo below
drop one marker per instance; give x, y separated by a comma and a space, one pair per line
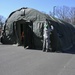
24, 33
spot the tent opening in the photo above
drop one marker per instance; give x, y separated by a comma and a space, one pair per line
24, 33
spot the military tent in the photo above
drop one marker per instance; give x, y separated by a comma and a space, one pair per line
31, 21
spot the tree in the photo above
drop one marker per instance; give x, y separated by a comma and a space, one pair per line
1, 21
64, 13
72, 15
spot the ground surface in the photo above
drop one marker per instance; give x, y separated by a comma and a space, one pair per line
19, 61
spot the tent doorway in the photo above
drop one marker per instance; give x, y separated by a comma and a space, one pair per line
24, 33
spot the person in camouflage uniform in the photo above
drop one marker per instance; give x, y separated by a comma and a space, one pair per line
46, 37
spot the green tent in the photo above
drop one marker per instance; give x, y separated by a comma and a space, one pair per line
31, 21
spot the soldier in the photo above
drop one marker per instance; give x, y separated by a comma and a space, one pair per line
46, 36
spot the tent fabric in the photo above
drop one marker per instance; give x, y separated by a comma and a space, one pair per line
62, 37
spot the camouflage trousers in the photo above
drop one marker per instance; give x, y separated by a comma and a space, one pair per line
46, 44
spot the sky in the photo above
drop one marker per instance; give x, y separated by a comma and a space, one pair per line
8, 6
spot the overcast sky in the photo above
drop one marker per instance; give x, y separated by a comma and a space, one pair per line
7, 6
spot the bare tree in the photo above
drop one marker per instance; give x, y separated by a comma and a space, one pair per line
1, 21
64, 13
72, 15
